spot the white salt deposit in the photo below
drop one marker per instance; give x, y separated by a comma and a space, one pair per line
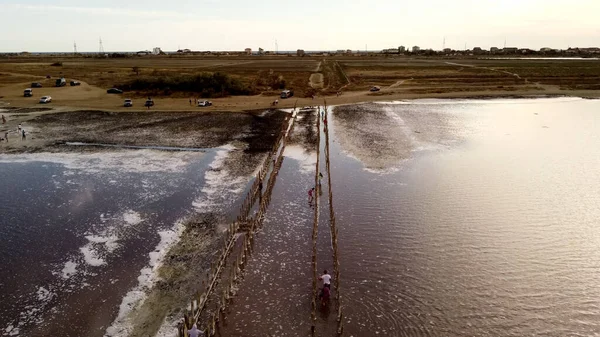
69, 269
90, 255
109, 162
132, 217
219, 186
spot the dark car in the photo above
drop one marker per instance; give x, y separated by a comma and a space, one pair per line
149, 103
74, 83
36, 85
114, 91
375, 88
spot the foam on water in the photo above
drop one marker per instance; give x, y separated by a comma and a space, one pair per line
141, 161
122, 326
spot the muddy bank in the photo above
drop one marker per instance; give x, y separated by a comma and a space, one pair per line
305, 130
382, 135
50, 130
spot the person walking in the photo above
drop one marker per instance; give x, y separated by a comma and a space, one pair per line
190, 102
310, 195
3, 120
195, 332
24, 137
6, 136
320, 178
326, 278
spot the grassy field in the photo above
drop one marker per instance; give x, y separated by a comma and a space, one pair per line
251, 82
442, 75
108, 72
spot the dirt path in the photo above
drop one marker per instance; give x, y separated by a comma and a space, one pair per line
397, 84
316, 81
490, 69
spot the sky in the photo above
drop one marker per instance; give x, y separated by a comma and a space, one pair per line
133, 25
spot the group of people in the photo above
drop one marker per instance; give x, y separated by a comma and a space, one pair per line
311, 192
20, 131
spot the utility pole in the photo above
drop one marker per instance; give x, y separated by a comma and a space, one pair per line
74, 48
444, 44
101, 48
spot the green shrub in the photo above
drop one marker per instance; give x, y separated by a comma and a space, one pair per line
207, 84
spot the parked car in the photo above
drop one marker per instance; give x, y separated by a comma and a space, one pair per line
114, 91
28, 92
36, 85
128, 103
74, 83
60, 82
149, 103
375, 88
287, 94
46, 99
204, 103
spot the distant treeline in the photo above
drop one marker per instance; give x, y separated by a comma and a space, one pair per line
207, 85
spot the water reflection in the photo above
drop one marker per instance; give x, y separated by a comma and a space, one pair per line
489, 228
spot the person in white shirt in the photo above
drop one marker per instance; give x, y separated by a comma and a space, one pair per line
326, 278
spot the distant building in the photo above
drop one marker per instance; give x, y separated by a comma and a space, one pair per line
261, 51
348, 51
510, 50
390, 51
447, 50
593, 50
248, 51
401, 49
143, 52
416, 49
477, 51
300, 52
157, 51
494, 50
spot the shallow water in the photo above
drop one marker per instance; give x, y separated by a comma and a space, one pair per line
488, 228
78, 228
